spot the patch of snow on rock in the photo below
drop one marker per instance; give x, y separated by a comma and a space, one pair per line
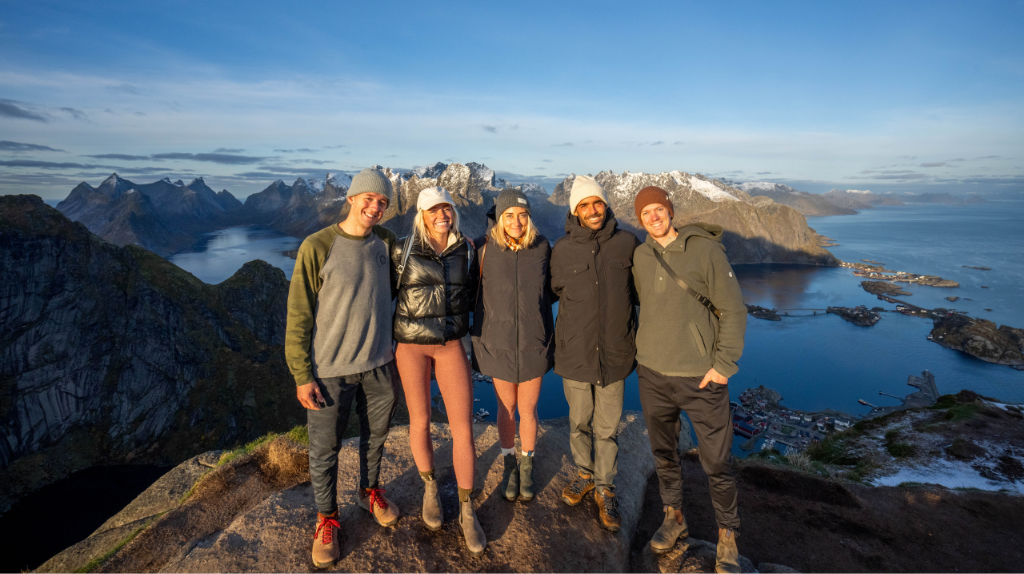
339, 180
948, 473
710, 190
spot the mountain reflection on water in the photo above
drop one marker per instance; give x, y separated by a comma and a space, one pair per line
219, 254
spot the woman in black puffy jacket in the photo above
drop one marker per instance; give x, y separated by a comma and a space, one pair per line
435, 296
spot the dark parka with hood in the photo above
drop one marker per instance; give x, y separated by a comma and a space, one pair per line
678, 336
436, 292
596, 326
513, 327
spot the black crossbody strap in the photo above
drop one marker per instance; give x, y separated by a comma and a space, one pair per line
679, 281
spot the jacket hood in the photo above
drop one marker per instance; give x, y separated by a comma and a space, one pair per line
574, 229
705, 230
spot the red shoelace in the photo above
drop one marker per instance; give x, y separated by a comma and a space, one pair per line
377, 497
327, 526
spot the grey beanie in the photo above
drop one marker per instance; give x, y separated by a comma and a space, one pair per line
510, 197
370, 180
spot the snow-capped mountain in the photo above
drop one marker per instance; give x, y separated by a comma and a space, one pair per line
809, 204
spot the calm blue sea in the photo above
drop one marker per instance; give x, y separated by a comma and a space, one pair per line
815, 361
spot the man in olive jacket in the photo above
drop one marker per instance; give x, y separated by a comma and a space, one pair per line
594, 339
692, 321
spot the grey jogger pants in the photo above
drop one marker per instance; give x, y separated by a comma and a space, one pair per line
375, 392
662, 398
594, 414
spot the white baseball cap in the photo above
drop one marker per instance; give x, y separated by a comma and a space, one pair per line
431, 196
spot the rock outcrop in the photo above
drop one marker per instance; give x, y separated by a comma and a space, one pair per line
808, 204
111, 354
756, 231
255, 514
980, 338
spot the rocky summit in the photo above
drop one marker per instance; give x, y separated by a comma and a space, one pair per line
255, 513
111, 354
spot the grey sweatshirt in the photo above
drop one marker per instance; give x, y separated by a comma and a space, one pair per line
339, 305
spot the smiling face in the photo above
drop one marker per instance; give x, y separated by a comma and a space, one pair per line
591, 211
368, 208
438, 219
655, 219
515, 221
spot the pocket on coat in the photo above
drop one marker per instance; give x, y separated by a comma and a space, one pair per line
698, 340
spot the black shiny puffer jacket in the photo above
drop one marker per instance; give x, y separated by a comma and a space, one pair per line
436, 292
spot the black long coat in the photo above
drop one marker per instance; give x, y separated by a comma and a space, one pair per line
596, 327
436, 293
513, 329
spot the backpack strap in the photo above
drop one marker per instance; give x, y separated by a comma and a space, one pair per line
407, 246
679, 281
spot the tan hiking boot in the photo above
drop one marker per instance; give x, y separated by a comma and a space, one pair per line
608, 509
728, 560
326, 547
672, 528
476, 540
574, 493
432, 514
384, 511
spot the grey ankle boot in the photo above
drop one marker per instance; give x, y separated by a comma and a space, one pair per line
671, 529
476, 540
509, 487
432, 515
526, 493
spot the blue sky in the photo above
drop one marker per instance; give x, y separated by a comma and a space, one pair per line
904, 96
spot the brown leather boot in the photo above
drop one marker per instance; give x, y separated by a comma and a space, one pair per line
326, 547
728, 560
577, 489
608, 509
383, 510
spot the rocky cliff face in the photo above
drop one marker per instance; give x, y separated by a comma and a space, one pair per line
756, 231
111, 354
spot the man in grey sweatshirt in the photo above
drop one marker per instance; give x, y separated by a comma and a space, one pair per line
692, 321
339, 349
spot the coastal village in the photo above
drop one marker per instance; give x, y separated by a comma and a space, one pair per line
758, 415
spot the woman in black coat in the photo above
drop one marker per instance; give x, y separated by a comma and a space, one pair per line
513, 330
435, 295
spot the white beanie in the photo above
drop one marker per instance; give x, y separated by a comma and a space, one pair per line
431, 196
583, 187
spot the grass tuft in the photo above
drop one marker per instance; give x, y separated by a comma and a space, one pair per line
962, 412
299, 434
99, 560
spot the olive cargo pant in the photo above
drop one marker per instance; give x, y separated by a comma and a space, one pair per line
663, 398
375, 393
594, 414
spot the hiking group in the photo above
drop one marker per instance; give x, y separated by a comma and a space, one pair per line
368, 312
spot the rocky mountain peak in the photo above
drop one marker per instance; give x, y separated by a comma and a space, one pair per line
426, 172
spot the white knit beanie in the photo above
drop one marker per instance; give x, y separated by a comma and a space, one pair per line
583, 187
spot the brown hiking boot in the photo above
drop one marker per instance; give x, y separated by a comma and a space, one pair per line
608, 509
326, 548
383, 510
574, 493
728, 559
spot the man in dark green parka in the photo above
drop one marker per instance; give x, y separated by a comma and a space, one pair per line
692, 322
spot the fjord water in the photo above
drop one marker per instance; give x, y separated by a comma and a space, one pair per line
218, 255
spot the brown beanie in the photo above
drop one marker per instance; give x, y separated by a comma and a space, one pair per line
649, 195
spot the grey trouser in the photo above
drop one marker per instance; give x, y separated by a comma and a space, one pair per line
663, 398
375, 393
594, 414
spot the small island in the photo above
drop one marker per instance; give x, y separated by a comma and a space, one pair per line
859, 315
762, 313
883, 288
978, 268
980, 338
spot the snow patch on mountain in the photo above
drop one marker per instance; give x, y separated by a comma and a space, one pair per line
426, 171
710, 190
339, 180
752, 187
